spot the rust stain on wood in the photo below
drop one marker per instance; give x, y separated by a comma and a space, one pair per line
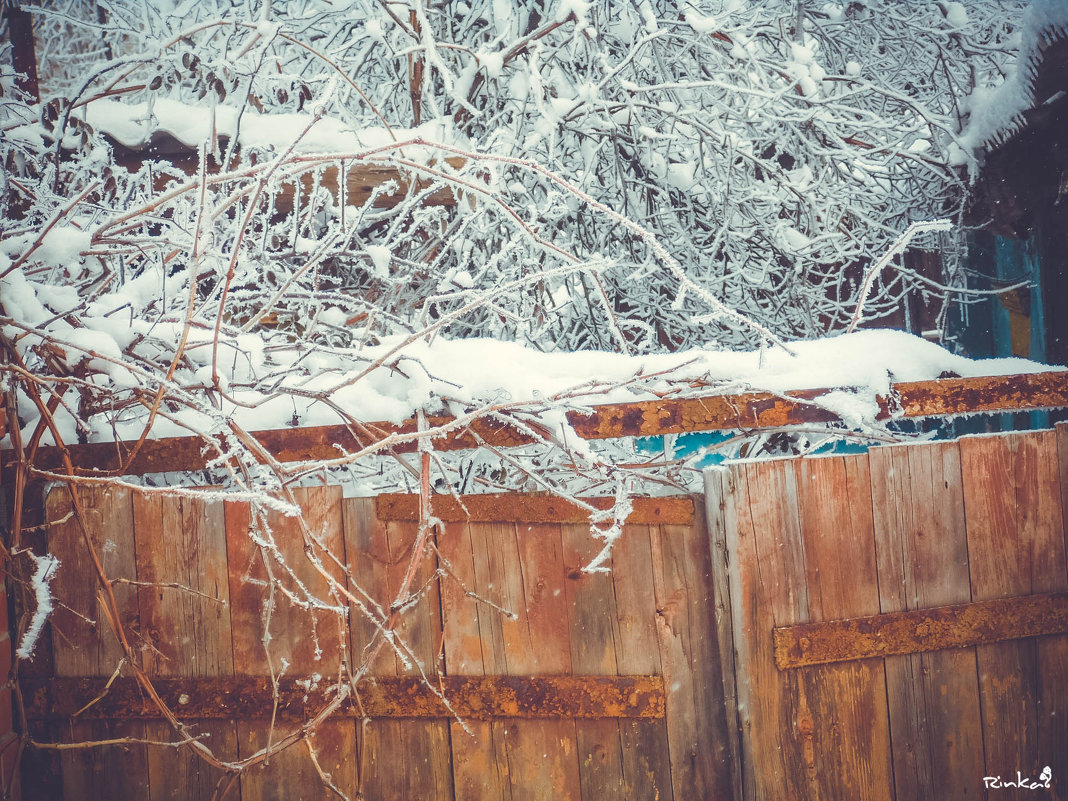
516, 508
956, 626
250, 698
751, 411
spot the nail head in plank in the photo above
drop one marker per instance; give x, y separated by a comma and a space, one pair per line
957, 626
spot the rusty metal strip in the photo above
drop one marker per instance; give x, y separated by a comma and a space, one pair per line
250, 698
922, 630
514, 508
752, 411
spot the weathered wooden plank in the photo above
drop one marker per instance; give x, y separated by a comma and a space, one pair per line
542, 755
752, 411
696, 718
518, 508
367, 560
378, 556
594, 622
82, 648
935, 629
184, 607
923, 562
768, 588
842, 713
1000, 549
645, 754
425, 772
721, 511
308, 642
476, 766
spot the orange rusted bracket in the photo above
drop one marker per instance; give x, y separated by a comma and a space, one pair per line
251, 698
921, 630
751, 411
513, 508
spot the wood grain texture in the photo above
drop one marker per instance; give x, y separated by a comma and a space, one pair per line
476, 762
84, 649
768, 588
542, 756
645, 753
593, 641
1023, 699
697, 726
1001, 540
721, 512
181, 541
842, 708
425, 772
302, 640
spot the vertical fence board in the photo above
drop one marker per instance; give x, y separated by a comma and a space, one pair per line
594, 638
721, 511
768, 588
697, 730
843, 706
475, 766
425, 744
182, 541
923, 562
1000, 566
310, 642
1043, 568
83, 649
542, 754
495, 557
367, 557
646, 759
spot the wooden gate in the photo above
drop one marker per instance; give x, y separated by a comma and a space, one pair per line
873, 654
571, 685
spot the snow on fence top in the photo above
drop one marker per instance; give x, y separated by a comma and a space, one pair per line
136, 125
396, 379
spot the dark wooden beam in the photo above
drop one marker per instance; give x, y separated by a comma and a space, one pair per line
751, 411
23, 53
514, 508
921, 630
250, 698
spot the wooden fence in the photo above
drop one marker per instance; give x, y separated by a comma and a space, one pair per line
594, 686
873, 655
887, 626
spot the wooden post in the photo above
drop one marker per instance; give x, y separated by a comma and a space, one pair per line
23, 56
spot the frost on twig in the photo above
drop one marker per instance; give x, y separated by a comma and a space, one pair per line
44, 571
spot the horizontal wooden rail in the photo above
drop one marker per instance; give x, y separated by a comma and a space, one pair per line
517, 508
751, 411
921, 630
361, 179
251, 698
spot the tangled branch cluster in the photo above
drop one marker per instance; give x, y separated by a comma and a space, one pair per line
629, 177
